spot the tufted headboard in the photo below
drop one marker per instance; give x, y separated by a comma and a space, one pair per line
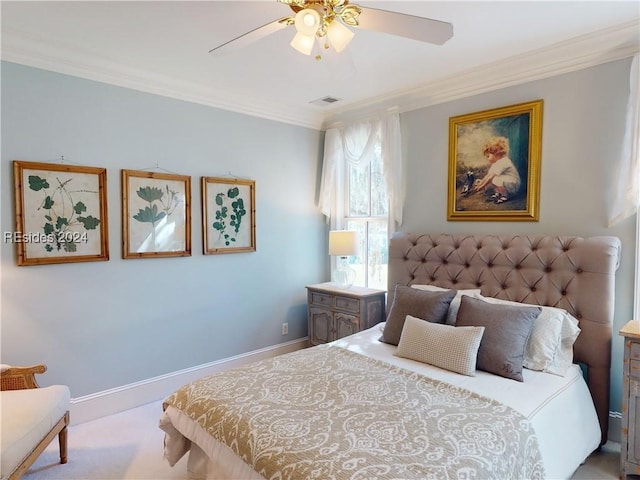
573, 273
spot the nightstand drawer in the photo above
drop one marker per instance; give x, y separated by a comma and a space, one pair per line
348, 304
634, 352
322, 299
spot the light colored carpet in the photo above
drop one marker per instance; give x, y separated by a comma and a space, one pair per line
128, 446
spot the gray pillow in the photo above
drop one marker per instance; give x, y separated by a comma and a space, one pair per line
507, 329
422, 304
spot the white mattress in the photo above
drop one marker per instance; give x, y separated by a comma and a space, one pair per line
560, 409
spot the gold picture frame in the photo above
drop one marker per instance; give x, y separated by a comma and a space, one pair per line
156, 214
60, 213
494, 164
228, 215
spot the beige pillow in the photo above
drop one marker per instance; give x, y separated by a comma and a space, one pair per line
455, 303
550, 345
444, 346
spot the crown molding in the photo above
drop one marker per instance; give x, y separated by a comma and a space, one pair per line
18, 47
582, 52
596, 48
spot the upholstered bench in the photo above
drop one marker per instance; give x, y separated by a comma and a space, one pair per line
30, 418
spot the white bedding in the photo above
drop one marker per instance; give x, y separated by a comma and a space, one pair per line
560, 409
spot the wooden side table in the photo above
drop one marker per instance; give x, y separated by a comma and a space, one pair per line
335, 312
630, 441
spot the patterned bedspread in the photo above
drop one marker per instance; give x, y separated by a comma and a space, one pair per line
329, 413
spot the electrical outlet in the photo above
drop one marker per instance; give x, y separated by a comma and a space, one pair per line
285, 328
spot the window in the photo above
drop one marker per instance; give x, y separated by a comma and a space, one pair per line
367, 212
362, 189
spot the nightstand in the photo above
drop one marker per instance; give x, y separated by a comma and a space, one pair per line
335, 312
630, 441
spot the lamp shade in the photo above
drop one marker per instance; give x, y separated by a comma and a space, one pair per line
307, 21
303, 43
339, 35
343, 243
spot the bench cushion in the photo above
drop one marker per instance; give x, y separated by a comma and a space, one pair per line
26, 417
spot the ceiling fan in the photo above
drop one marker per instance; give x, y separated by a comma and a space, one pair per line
328, 22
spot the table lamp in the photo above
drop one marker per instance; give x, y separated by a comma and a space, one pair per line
343, 243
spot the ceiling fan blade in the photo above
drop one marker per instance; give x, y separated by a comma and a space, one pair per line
249, 37
404, 25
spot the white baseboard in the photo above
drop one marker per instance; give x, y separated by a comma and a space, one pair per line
615, 426
107, 402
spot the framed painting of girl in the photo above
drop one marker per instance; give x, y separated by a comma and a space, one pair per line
494, 164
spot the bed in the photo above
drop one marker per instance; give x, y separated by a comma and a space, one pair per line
364, 407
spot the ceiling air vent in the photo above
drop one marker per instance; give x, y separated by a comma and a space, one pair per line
324, 101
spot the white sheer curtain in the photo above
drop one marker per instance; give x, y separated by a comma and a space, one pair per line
627, 200
390, 139
627, 190
355, 144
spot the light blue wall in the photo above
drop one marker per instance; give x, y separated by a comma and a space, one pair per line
100, 325
583, 124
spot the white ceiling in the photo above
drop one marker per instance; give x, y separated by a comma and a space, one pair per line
162, 47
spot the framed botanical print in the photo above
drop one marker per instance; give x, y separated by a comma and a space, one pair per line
494, 164
60, 213
228, 215
156, 214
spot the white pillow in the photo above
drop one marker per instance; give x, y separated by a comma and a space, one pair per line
444, 346
455, 303
564, 355
550, 345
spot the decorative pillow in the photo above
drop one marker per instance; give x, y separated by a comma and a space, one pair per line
550, 346
455, 303
444, 346
564, 355
507, 329
429, 306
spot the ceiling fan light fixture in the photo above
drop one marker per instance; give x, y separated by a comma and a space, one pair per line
328, 21
339, 35
307, 21
303, 43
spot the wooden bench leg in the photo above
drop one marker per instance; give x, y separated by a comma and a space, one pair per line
60, 430
62, 439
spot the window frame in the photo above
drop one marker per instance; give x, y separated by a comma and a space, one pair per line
367, 220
